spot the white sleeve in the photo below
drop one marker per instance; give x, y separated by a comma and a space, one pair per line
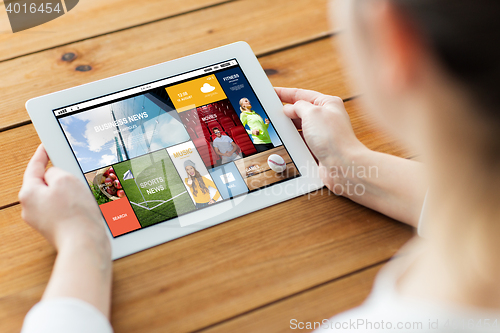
62, 315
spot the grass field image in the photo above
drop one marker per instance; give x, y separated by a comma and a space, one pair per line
154, 188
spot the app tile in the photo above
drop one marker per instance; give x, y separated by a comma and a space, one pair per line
154, 188
267, 168
194, 93
119, 216
216, 131
195, 176
249, 109
122, 130
228, 180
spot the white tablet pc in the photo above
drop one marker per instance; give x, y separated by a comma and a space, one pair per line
174, 148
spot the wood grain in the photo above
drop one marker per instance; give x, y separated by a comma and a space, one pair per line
88, 19
372, 134
19, 144
249, 274
312, 306
45, 72
316, 66
216, 274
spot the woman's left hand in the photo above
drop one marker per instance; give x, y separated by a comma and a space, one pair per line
71, 221
61, 216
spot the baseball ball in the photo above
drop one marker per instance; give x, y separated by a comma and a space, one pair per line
276, 163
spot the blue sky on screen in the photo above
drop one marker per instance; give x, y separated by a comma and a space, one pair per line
96, 146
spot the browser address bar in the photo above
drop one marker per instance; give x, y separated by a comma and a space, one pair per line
143, 88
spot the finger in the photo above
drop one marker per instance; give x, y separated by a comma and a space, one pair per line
36, 167
293, 95
54, 174
297, 110
289, 111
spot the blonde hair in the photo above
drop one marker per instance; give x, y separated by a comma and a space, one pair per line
241, 102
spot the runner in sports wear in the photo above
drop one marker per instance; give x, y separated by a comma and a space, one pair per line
258, 126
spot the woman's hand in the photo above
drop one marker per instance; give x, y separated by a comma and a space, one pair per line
326, 128
62, 209
255, 132
396, 187
190, 180
58, 205
212, 201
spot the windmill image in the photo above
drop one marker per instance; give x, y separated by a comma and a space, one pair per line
150, 125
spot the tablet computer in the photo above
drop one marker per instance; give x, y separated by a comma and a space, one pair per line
172, 149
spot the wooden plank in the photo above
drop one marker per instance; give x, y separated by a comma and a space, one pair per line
310, 306
123, 51
88, 19
371, 134
27, 252
316, 66
215, 274
19, 144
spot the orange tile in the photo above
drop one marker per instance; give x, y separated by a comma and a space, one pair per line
120, 216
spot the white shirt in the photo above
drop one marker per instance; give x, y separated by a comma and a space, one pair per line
223, 144
386, 310
64, 315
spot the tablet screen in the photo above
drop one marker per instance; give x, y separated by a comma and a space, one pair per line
173, 146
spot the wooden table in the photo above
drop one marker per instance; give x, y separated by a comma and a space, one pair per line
305, 259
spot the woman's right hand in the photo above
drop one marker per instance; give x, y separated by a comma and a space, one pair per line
398, 186
326, 128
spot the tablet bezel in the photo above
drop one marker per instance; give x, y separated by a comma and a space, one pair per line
40, 110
